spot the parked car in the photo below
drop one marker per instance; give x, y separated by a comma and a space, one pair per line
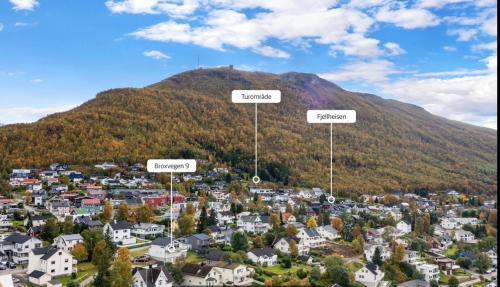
11, 265
2, 267
142, 258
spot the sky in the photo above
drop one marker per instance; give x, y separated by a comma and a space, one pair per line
438, 54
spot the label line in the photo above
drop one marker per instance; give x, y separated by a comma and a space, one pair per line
256, 173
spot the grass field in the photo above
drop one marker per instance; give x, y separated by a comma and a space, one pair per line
85, 269
451, 251
192, 257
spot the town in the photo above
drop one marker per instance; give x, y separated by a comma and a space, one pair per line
110, 225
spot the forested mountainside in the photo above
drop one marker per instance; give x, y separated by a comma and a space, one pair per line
392, 146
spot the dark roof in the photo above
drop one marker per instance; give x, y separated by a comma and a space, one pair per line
133, 201
151, 275
311, 232
214, 228
17, 238
36, 274
304, 258
201, 236
216, 255
39, 217
287, 238
119, 225
196, 270
162, 241
47, 252
266, 251
372, 267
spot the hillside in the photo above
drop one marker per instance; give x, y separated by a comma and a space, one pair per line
393, 145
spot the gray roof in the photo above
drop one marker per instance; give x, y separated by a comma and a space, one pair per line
162, 241
47, 252
71, 237
201, 236
311, 232
266, 251
151, 275
17, 238
414, 283
119, 225
36, 274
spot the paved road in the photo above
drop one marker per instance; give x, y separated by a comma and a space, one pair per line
13, 271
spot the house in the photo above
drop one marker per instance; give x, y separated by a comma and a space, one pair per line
369, 275
328, 232
233, 274
411, 257
36, 220
18, 246
369, 251
445, 265
200, 275
215, 256
58, 207
220, 234
66, 242
283, 244
87, 221
119, 231
463, 235
449, 223
4, 222
429, 271
52, 261
198, 242
311, 237
306, 259
166, 250
288, 217
39, 197
225, 218
252, 224
414, 283
39, 278
263, 256
403, 227
152, 277
144, 230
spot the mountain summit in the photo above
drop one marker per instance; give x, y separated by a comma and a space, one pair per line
393, 145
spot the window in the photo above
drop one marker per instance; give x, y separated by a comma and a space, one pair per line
66, 260
53, 262
65, 268
52, 271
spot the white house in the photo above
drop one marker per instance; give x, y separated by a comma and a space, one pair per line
67, 241
147, 229
120, 232
449, 223
164, 250
369, 275
429, 271
283, 244
328, 232
52, 261
225, 218
19, 246
152, 277
311, 237
411, 257
263, 256
403, 227
253, 224
369, 251
233, 274
200, 275
463, 235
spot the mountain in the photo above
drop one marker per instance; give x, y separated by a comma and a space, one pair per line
393, 145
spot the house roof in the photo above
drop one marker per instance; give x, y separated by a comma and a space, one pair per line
196, 270
17, 238
150, 276
311, 232
215, 255
373, 268
71, 237
414, 283
201, 236
119, 225
46, 252
162, 241
266, 251
36, 274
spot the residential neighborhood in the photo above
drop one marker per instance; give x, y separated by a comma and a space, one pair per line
119, 225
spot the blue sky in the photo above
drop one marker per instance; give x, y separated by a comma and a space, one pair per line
439, 54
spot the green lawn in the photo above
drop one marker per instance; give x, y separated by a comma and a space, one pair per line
136, 253
278, 270
451, 251
17, 223
85, 269
443, 279
354, 266
192, 257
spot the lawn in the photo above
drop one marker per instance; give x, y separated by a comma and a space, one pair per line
278, 270
192, 257
443, 279
450, 252
17, 223
136, 253
354, 266
85, 269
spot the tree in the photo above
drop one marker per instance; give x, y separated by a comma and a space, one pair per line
339, 275
483, 262
311, 222
274, 221
27, 198
399, 253
348, 226
377, 257
107, 211
291, 230
101, 257
190, 210
337, 224
50, 230
434, 283
90, 239
68, 226
289, 208
186, 224
203, 220
453, 282
79, 252
122, 212
239, 241
257, 242
357, 231
145, 213
212, 218
294, 250
464, 262
358, 244
122, 269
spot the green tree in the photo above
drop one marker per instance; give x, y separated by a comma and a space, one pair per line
90, 239
257, 242
68, 226
483, 262
186, 224
122, 269
453, 282
239, 241
377, 257
202, 220
101, 257
50, 230
339, 275
294, 250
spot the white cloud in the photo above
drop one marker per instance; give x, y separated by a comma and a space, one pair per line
24, 4
171, 7
408, 18
438, 3
36, 81
464, 35
489, 27
394, 49
449, 48
25, 114
156, 55
464, 95
1, 27
25, 24
491, 46
342, 29
373, 71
